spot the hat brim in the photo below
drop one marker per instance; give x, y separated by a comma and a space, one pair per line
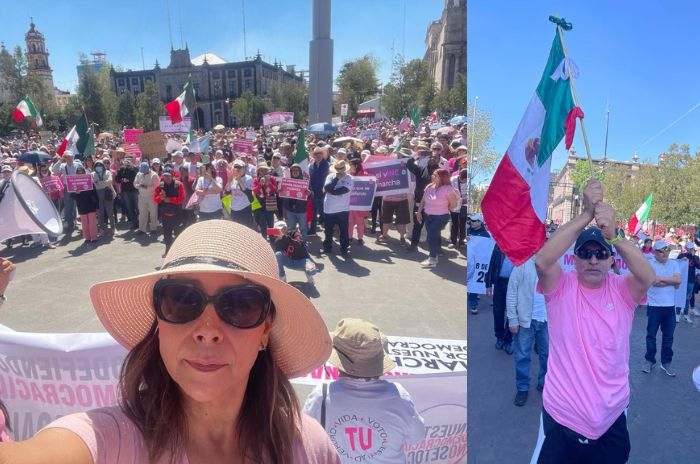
381, 366
299, 339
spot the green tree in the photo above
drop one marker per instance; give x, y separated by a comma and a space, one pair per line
90, 97
291, 97
109, 98
125, 110
148, 108
581, 173
249, 108
357, 82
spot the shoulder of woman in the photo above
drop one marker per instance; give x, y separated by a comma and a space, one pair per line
315, 442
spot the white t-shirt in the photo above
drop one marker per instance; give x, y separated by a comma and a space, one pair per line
663, 296
212, 201
239, 200
337, 203
357, 407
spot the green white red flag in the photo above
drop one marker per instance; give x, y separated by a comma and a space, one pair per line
26, 109
78, 140
634, 225
515, 204
182, 105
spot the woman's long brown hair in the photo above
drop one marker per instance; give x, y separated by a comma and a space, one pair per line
268, 422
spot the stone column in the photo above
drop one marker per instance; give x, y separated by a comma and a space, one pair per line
321, 64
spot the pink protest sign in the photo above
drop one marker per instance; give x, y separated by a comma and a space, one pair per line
132, 135
297, 189
277, 117
51, 184
79, 183
243, 146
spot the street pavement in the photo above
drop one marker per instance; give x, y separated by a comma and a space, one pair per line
663, 416
383, 284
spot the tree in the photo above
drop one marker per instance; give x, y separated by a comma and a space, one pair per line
482, 156
125, 110
249, 108
581, 173
90, 98
291, 97
148, 108
357, 82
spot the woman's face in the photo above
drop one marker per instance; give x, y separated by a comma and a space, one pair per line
210, 341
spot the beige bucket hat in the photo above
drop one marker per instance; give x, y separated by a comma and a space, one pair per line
299, 340
359, 349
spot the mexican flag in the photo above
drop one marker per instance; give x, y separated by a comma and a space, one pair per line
301, 156
78, 140
634, 225
26, 109
181, 106
515, 204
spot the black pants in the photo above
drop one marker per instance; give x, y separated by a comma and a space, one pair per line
500, 322
458, 226
665, 318
417, 227
564, 446
330, 221
376, 212
171, 226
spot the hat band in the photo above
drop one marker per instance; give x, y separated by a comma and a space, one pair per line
203, 260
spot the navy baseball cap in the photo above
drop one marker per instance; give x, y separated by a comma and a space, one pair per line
592, 234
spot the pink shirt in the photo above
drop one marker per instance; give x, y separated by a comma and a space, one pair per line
436, 202
587, 384
113, 439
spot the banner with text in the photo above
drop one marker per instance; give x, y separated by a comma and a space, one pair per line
182, 127
277, 117
152, 143
391, 175
79, 183
297, 189
243, 146
132, 135
362, 193
479, 251
51, 184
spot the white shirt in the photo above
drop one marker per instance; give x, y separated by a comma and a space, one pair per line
337, 203
663, 296
384, 407
539, 307
239, 200
211, 201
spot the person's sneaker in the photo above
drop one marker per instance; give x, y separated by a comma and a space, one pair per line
520, 398
402, 240
678, 317
412, 248
688, 319
667, 369
474, 311
508, 348
429, 263
500, 344
310, 279
648, 367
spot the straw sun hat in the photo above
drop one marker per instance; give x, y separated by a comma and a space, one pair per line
299, 339
359, 349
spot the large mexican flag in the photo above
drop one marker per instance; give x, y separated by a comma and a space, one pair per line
26, 109
78, 140
182, 105
515, 204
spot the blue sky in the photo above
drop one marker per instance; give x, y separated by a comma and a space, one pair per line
640, 57
280, 29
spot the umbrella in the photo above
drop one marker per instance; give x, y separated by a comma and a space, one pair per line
458, 120
322, 128
105, 135
287, 127
219, 127
342, 141
436, 126
34, 157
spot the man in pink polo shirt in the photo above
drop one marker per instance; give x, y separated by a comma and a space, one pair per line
590, 312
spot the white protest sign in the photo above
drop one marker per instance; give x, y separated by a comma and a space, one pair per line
479, 251
182, 127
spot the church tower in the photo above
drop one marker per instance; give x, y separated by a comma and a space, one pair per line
38, 57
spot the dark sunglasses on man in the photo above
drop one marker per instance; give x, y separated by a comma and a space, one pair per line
587, 253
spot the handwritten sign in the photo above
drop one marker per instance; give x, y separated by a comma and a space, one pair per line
79, 183
132, 135
391, 175
243, 146
51, 184
152, 143
297, 189
362, 193
277, 117
181, 127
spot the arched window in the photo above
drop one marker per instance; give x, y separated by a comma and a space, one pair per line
451, 72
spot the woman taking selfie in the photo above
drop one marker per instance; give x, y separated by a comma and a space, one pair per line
213, 338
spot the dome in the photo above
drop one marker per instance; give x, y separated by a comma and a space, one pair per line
210, 57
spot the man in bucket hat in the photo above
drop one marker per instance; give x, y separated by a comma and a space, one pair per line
359, 353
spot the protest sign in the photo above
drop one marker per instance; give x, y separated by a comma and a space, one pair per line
369, 134
152, 143
336, 120
391, 175
277, 117
344, 109
182, 127
51, 184
297, 189
250, 135
243, 146
479, 251
172, 145
132, 135
362, 193
78, 183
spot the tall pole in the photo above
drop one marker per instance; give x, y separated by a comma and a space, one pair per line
245, 50
143, 63
170, 30
403, 42
179, 17
607, 127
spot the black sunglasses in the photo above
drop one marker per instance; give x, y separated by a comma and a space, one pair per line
599, 253
243, 306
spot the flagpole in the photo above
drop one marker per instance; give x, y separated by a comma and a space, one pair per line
572, 84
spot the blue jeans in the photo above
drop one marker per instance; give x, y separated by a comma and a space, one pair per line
434, 225
522, 347
318, 210
664, 317
264, 219
294, 219
689, 294
206, 216
330, 221
130, 201
285, 261
69, 211
472, 300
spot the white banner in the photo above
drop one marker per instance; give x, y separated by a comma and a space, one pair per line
479, 251
182, 127
344, 109
45, 376
277, 117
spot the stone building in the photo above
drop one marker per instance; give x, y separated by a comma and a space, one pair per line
216, 82
38, 56
446, 44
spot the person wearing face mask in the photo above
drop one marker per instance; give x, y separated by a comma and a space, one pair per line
129, 195
102, 178
422, 165
88, 204
146, 182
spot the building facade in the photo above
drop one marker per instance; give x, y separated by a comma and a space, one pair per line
446, 44
38, 56
215, 85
